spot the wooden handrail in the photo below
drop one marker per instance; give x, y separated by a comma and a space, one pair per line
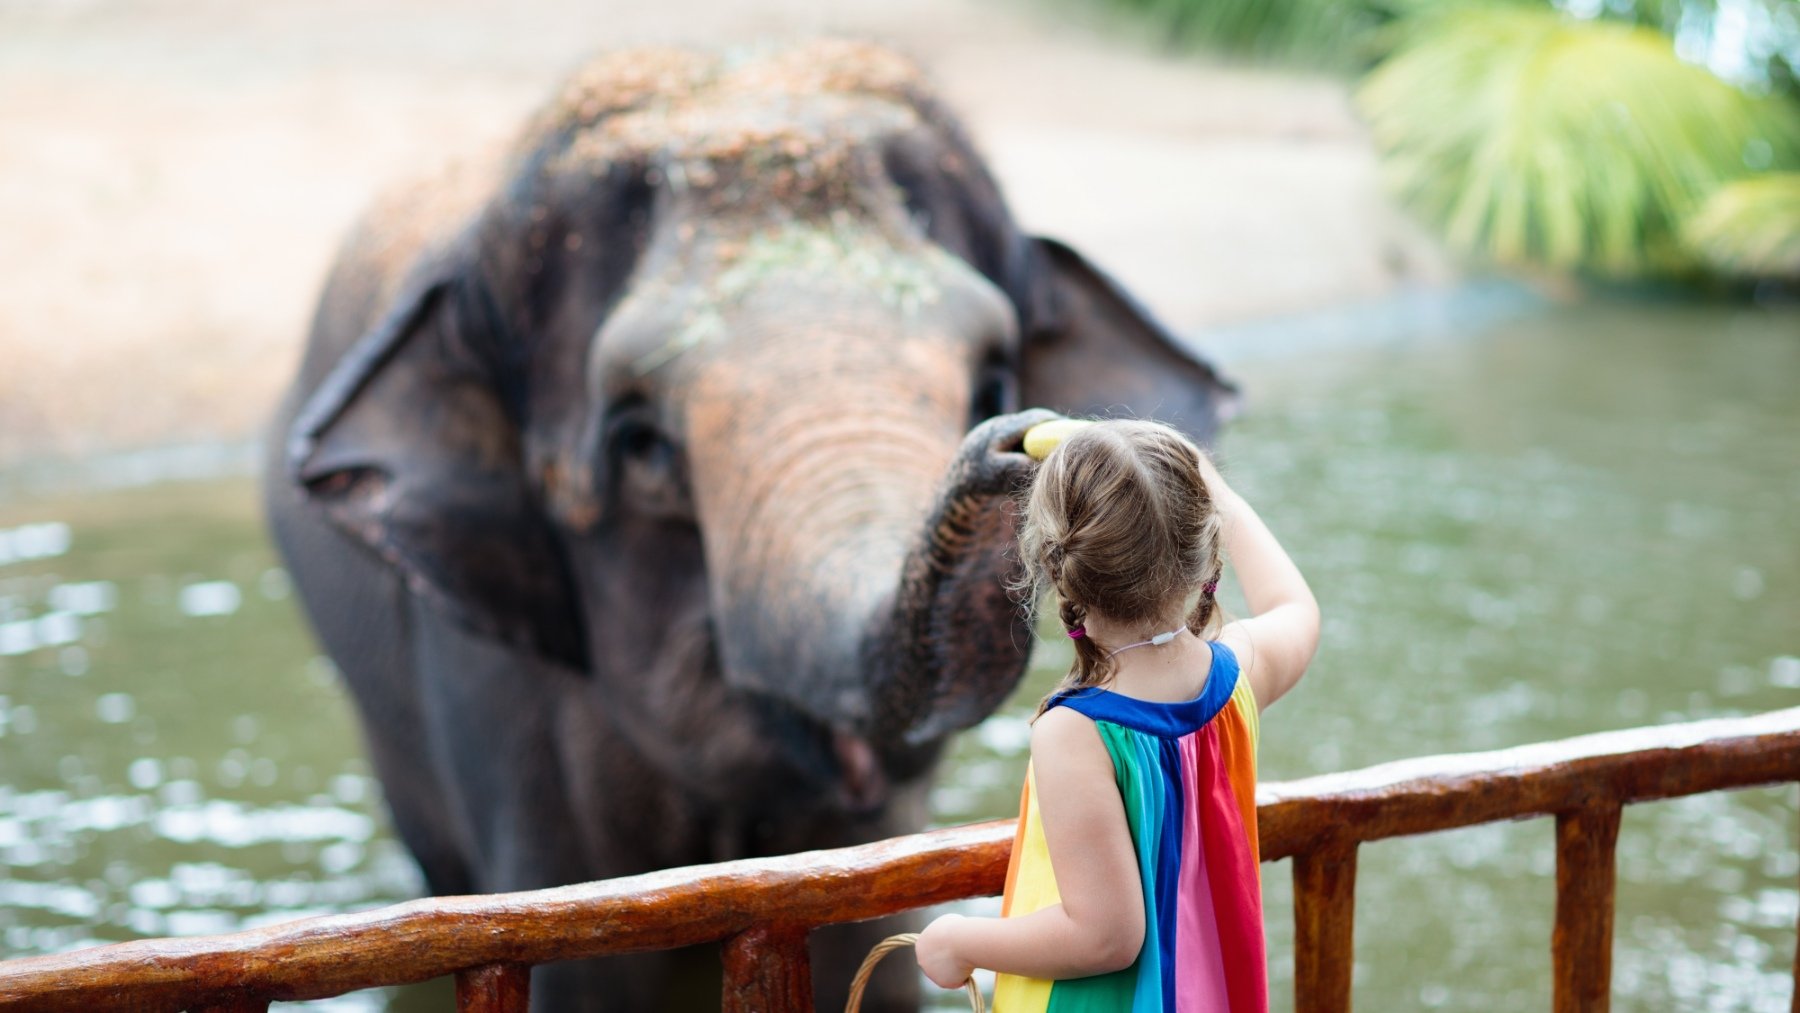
1434, 793
1581, 941
493, 988
1324, 917
765, 905
314, 958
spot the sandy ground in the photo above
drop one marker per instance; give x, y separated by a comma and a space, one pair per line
174, 174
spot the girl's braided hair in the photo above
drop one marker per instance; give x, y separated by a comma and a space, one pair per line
1118, 520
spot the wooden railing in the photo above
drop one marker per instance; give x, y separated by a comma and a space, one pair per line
763, 909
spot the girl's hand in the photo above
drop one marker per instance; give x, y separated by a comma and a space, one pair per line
936, 950
1222, 495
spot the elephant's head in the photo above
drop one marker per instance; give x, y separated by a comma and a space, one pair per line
714, 397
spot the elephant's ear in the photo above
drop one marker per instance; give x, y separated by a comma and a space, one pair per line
407, 444
1090, 349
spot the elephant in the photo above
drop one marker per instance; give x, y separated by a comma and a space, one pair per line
651, 480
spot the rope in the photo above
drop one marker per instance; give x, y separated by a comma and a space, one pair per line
882, 949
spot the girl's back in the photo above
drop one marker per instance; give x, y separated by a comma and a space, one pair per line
1187, 774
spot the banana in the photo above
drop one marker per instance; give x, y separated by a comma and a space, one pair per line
1045, 436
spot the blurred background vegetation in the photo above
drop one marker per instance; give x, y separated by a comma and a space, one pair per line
1625, 140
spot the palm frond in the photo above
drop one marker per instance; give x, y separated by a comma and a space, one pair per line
1528, 137
1751, 228
1753, 42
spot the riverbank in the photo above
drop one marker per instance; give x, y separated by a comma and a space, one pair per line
175, 175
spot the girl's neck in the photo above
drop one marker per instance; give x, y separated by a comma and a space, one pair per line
1169, 672
1111, 634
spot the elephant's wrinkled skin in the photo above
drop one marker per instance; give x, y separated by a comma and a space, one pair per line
650, 486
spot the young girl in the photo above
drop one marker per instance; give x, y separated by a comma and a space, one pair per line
1134, 882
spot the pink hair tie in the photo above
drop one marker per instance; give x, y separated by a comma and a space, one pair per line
1076, 633
1210, 586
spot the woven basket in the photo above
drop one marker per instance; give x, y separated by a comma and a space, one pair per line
882, 949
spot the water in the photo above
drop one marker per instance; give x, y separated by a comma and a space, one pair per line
1522, 523
175, 758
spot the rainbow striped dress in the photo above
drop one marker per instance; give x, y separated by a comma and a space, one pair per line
1187, 772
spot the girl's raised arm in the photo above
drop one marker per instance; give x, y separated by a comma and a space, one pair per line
1099, 926
1276, 642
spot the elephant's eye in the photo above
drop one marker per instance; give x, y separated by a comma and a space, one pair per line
633, 438
645, 464
630, 431
996, 393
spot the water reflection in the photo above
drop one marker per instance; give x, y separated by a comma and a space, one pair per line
33, 541
1558, 523
210, 598
174, 758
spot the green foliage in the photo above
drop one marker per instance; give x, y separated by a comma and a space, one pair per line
1331, 34
1751, 228
1762, 37
1530, 137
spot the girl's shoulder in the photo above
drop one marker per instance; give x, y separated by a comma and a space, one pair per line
1056, 725
1153, 717
1063, 737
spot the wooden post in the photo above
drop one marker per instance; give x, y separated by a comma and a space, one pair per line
1581, 944
1324, 924
493, 988
768, 969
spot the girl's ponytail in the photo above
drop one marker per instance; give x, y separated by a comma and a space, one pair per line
1091, 666
1118, 521
1206, 607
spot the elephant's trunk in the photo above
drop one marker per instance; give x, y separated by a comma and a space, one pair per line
956, 640
857, 542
